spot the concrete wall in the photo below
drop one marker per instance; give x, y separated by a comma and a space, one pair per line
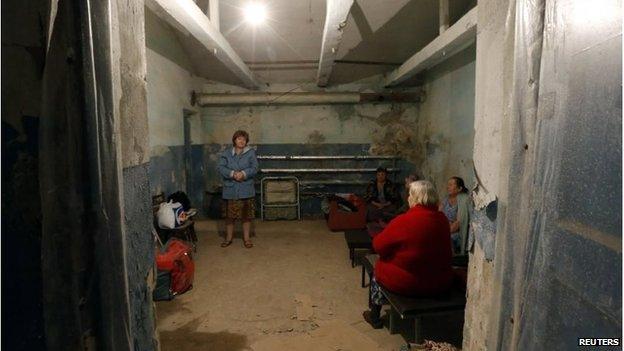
553, 271
135, 162
490, 85
445, 127
363, 129
170, 81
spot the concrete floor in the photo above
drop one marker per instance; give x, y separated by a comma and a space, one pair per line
255, 299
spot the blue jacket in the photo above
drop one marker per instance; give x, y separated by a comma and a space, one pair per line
246, 162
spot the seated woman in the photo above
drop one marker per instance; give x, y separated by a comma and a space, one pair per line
375, 228
456, 208
412, 177
414, 252
382, 198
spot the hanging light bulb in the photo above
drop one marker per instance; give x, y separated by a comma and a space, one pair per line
255, 13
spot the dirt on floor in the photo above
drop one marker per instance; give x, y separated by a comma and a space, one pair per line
294, 290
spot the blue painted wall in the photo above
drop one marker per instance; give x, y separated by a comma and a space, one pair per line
311, 195
167, 173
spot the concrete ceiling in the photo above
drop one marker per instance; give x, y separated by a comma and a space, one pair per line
285, 49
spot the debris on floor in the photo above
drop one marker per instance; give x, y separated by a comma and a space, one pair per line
430, 345
329, 336
304, 307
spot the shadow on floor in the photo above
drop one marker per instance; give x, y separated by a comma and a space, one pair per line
187, 338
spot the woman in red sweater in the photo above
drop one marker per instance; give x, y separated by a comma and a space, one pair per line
414, 252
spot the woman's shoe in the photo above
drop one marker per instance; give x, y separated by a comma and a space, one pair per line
248, 244
226, 243
368, 317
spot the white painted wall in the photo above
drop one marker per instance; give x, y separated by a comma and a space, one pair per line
169, 88
170, 81
304, 124
445, 129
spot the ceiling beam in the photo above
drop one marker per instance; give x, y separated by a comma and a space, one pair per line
456, 38
213, 6
335, 22
185, 15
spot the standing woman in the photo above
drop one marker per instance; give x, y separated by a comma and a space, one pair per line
237, 167
456, 208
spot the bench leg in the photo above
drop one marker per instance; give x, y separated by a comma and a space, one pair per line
393, 321
363, 276
418, 337
352, 258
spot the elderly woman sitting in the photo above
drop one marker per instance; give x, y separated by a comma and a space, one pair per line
382, 198
414, 252
456, 208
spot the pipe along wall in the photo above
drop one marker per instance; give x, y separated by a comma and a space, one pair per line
311, 130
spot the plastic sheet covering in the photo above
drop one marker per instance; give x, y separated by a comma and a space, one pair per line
86, 301
557, 273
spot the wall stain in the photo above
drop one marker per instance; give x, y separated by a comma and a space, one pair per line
395, 136
345, 112
316, 137
397, 140
187, 337
386, 118
159, 150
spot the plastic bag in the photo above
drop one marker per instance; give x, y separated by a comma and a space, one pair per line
170, 215
176, 259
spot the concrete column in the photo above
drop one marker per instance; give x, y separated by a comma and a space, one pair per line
492, 53
132, 101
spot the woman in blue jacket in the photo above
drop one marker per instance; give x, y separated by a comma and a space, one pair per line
237, 167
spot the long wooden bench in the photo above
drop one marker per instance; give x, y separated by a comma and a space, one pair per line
458, 261
357, 239
410, 308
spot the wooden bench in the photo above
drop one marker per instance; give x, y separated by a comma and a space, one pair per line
367, 266
357, 239
410, 308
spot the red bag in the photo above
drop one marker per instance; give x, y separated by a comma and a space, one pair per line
177, 259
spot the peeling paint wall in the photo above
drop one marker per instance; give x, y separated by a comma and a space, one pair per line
314, 130
364, 129
491, 53
445, 130
348, 124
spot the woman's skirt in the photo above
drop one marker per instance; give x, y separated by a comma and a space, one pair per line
243, 209
376, 297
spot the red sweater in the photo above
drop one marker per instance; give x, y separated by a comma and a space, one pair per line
415, 253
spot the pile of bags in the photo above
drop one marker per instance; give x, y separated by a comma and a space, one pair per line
174, 259
176, 270
175, 211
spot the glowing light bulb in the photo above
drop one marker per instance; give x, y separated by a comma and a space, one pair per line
255, 13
